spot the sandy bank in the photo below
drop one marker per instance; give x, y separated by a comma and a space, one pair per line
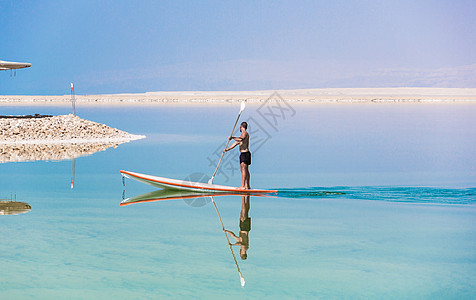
305, 96
65, 129
56, 138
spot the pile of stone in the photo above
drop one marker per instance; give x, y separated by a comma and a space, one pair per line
25, 116
63, 129
56, 138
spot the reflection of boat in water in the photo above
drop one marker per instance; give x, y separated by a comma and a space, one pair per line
14, 207
173, 194
165, 194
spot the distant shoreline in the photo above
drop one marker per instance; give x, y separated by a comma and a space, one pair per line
300, 96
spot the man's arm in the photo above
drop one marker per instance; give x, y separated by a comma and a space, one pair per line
239, 138
231, 147
233, 235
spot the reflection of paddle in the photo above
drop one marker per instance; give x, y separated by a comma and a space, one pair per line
242, 280
226, 146
73, 172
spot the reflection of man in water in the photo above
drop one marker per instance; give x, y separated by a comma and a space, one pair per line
245, 227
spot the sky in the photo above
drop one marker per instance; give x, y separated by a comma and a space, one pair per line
108, 47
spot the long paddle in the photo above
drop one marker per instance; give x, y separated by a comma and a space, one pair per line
242, 280
228, 141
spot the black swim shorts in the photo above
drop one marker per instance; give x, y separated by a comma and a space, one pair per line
245, 225
245, 157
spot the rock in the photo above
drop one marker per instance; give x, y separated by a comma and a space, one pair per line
66, 128
56, 138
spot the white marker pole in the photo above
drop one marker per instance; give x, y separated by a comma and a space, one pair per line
72, 99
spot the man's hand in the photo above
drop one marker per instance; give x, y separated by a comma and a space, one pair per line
224, 150
230, 138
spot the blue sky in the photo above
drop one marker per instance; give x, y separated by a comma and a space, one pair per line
139, 46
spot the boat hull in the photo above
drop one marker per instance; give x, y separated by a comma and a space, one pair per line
168, 183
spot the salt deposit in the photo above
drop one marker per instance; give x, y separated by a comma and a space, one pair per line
64, 129
56, 138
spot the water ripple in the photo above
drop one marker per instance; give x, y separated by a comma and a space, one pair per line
431, 195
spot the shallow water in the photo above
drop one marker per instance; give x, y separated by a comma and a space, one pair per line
374, 201
429, 195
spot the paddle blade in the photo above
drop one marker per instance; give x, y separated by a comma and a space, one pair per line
242, 281
210, 181
242, 106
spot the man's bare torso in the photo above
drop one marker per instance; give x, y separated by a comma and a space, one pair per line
245, 141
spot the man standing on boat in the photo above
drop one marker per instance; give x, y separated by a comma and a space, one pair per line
245, 155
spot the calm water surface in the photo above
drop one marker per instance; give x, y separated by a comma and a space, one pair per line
375, 201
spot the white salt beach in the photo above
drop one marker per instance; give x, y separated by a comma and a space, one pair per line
297, 96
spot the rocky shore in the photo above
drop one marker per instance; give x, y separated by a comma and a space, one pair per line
59, 129
56, 138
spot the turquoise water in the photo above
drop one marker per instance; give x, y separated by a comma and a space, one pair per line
429, 195
374, 201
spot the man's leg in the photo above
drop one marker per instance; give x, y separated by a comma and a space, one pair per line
247, 177
243, 175
245, 207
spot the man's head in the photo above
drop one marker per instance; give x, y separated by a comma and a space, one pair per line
243, 254
244, 125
